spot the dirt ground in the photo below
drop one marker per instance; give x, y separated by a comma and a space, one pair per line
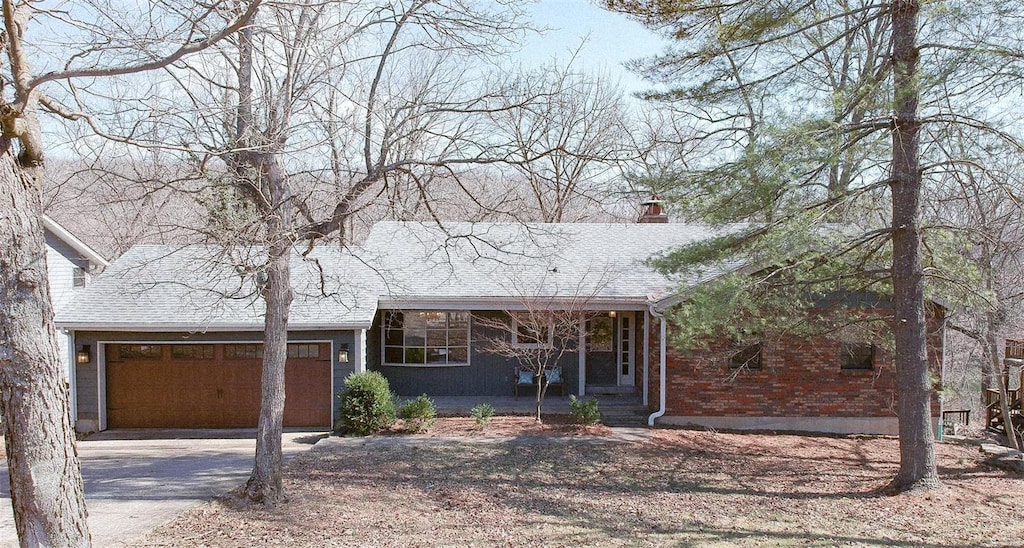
682, 488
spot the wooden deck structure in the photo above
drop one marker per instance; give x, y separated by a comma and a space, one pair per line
994, 420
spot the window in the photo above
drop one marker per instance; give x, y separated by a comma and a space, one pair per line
532, 330
747, 358
192, 352
857, 356
79, 277
306, 350
424, 337
1014, 349
140, 352
243, 351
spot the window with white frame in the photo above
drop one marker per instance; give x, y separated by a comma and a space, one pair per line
426, 337
532, 330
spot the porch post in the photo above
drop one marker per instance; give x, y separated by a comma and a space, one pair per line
360, 363
645, 363
582, 352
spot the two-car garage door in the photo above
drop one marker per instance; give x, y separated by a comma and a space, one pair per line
211, 385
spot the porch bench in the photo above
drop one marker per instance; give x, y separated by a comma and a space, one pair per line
526, 377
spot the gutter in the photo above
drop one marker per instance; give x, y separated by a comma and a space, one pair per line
661, 367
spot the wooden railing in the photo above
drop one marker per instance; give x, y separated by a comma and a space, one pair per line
994, 420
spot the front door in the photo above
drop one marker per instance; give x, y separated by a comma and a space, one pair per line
610, 350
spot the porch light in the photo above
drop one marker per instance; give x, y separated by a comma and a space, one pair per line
83, 355
611, 314
343, 354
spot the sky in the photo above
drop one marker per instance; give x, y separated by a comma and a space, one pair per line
609, 39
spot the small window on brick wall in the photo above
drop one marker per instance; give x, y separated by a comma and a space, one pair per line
748, 358
857, 356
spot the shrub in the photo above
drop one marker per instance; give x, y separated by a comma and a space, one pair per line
584, 411
418, 414
367, 404
482, 412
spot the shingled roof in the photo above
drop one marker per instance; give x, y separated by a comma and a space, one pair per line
468, 262
198, 289
402, 264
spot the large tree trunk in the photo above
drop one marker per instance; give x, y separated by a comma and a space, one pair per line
914, 391
264, 485
45, 476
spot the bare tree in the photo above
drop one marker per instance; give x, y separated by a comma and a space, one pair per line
564, 149
312, 114
46, 484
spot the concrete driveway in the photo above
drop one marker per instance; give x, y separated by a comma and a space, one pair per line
134, 485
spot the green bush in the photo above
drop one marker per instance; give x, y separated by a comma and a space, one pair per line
482, 412
584, 411
418, 414
367, 404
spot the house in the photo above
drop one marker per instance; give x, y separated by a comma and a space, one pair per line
71, 264
177, 331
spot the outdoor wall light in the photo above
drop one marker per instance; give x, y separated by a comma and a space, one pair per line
83, 355
343, 354
611, 314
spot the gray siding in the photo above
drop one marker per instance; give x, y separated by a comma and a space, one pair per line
87, 377
487, 374
61, 261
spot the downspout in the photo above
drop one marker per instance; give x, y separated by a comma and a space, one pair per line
661, 367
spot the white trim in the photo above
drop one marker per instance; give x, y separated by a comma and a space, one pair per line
629, 303
647, 357
78, 245
360, 350
101, 385
582, 351
72, 373
187, 327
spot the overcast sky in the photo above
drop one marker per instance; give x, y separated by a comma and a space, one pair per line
610, 39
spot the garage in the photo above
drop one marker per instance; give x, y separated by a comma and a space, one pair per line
211, 385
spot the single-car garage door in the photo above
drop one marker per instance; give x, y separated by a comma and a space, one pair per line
211, 385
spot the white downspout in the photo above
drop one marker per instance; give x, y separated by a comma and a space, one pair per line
661, 368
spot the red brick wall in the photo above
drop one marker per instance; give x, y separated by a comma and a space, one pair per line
798, 378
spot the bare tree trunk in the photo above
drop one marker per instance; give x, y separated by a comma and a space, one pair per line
264, 485
994, 346
43, 467
917, 443
542, 387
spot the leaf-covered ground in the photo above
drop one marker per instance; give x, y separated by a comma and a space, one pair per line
682, 488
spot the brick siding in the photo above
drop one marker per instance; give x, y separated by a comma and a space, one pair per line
798, 378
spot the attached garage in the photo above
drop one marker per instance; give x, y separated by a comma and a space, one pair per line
211, 385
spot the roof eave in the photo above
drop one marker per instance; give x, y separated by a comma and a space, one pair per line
70, 239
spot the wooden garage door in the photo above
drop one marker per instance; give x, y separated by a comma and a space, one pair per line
211, 385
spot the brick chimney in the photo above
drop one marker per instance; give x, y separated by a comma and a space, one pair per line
653, 212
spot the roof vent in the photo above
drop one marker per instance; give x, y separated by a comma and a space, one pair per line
653, 212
